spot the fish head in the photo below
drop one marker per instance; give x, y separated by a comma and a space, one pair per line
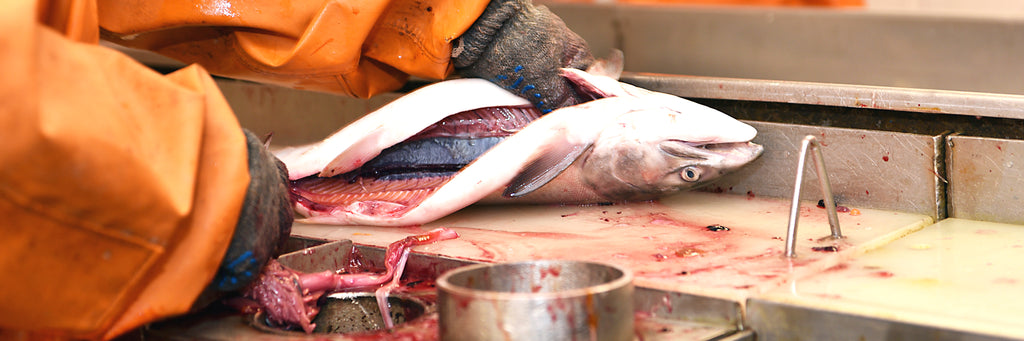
666, 145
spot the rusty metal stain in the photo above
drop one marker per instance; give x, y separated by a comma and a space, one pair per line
986, 179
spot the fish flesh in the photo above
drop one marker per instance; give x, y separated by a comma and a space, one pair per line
289, 297
628, 143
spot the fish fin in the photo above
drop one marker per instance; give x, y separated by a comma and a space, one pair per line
266, 139
593, 86
610, 66
542, 170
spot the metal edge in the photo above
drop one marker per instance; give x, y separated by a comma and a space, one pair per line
682, 306
828, 94
783, 321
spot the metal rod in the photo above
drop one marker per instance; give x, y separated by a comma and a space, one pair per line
810, 143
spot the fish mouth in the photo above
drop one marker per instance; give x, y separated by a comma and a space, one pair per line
727, 155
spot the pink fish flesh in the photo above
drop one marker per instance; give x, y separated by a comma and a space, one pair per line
289, 298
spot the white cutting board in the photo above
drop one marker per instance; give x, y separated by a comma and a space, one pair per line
665, 243
957, 274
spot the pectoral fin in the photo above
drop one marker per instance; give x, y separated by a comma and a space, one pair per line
545, 168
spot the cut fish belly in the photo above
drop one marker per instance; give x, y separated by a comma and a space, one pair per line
327, 194
404, 175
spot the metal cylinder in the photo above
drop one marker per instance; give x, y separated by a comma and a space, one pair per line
536, 300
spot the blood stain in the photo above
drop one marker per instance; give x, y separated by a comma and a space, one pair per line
716, 228
882, 274
830, 248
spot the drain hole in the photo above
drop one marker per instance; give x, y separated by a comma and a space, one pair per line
353, 313
346, 313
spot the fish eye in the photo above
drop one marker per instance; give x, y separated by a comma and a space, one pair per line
690, 174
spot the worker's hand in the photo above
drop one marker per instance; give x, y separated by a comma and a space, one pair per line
263, 225
520, 46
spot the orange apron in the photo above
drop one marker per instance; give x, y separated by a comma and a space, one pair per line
120, 187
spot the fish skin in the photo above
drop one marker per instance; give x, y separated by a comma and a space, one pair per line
363, 139
665, 135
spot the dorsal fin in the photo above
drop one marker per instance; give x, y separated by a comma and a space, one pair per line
610, 66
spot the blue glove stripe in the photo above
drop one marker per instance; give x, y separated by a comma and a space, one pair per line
516, 83
501, 79
230, 271
244, 257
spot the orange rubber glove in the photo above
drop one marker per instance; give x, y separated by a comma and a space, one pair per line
351, 47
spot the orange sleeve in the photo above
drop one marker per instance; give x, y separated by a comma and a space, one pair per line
120, 187
351, 47
791, 3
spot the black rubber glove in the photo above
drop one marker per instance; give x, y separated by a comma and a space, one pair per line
520, 47
263, 226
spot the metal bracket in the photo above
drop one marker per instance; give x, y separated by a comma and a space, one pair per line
811, 143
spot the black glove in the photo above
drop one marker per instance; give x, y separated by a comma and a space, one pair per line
263, 225
520, 47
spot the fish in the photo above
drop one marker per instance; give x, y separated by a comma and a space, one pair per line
626, 144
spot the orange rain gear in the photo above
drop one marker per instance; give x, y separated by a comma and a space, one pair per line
120, 187
353, 47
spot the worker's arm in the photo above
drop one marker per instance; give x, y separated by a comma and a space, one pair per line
359, 48
354, 48
122, 190
126, 194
